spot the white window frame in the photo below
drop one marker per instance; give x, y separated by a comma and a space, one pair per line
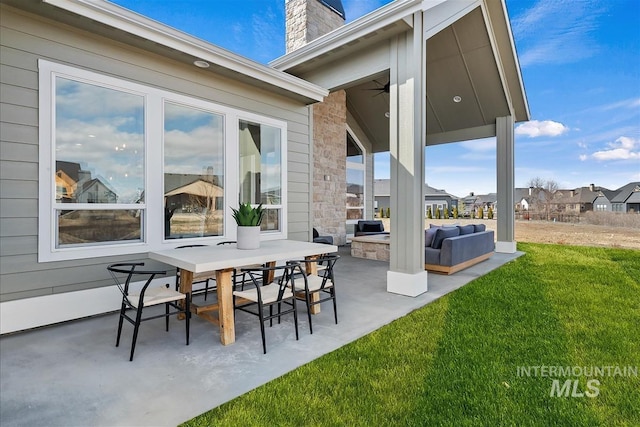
358, 166
153, 221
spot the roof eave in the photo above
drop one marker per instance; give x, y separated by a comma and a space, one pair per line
136, 24
372, 22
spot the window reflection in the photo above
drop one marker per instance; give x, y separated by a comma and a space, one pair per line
193, 172
355, 180
99, 159
79, 227
260, 170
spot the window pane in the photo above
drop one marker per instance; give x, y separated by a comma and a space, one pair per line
270, 220
354, 153
193, 172
355, 188
98, 226
260, 164
99, 144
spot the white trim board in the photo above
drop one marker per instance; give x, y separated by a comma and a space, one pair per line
30, 313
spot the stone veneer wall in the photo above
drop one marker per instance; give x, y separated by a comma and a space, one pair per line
306, 20
329, 160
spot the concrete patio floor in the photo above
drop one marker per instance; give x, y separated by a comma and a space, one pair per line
72, 374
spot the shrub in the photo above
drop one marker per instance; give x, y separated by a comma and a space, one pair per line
480, 213
455, 212
446, 213
388, 212
429, 213
490, 213
437, 213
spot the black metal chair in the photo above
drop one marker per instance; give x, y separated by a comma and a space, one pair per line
146, 297
322, 283
239, 277
204, 277
279, 292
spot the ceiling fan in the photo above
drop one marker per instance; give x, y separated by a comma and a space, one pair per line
382, 88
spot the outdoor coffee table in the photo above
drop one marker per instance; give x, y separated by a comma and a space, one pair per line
223, 260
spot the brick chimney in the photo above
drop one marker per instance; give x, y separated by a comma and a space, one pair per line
306, 20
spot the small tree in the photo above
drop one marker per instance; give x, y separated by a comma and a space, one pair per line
381, 212
490, 213
429, 213
455, 212
480, 213
446, 213
388, 212
437, 213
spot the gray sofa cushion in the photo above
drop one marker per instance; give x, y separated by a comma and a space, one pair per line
479, 227
466, 229
443, 233
429, 233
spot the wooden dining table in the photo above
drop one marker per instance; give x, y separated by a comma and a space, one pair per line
223, 260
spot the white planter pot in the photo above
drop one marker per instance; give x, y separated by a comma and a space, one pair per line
248, 237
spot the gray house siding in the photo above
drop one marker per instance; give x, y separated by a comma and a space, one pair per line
25, 38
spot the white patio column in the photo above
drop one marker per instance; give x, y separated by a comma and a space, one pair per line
407, 77
506, 241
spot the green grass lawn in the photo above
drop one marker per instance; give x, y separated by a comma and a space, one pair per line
455, 362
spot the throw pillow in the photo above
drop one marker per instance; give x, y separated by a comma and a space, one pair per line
371, 228
479, 227
429, 233
466, 229
443, 233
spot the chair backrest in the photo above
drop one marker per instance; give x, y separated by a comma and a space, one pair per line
129, 268
327, 261
286, 277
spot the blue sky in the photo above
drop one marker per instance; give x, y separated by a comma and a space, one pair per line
581, 69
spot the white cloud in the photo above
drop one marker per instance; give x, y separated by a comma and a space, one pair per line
583, 157
486, 144
535, 128
622, 149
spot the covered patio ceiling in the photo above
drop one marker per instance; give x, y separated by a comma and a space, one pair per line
472, 74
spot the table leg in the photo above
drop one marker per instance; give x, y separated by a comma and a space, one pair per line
224, 280
312, 268
186, 283
268, 276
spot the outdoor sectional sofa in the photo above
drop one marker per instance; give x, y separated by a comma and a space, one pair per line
449, 249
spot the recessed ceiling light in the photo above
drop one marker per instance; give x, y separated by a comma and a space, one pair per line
201, 64
457, 99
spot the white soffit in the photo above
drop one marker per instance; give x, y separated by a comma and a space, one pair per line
389, 19
125, 20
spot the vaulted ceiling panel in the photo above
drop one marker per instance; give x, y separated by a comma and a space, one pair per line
446, 79
487, 84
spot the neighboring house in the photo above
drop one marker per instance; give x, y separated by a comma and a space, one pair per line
95, 190
433, 197
160, 90
627, 198
473, 202
575, 201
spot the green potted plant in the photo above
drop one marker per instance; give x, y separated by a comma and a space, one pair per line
248, 220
